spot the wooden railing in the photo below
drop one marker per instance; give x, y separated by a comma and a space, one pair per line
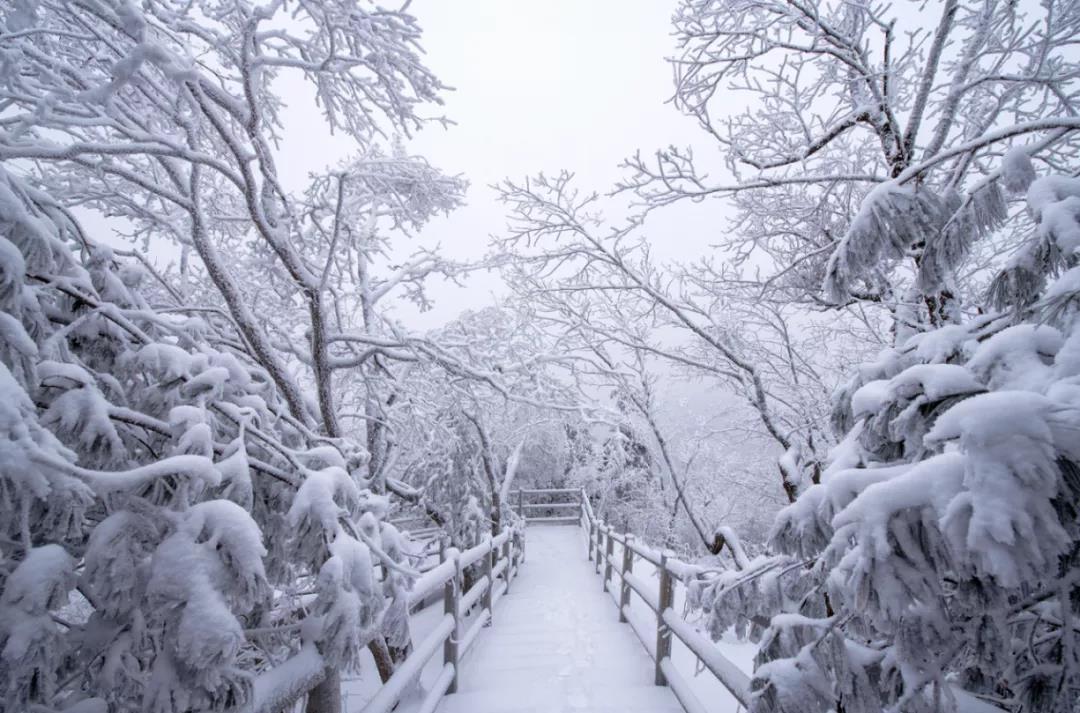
499, 557
602, 540
562, 500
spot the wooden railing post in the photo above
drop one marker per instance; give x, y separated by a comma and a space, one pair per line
506, 549
451, 596
627, 567
515, 553
599, 543
485, 598
592, 535
663, 632
599, 527
608, 551
521, 504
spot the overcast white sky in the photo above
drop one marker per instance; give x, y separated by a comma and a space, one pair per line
539, 86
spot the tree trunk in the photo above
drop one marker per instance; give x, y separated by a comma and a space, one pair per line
261, 349
383, 661
487, 456
496, 513
326, 697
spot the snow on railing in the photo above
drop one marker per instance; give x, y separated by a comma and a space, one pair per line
549, 512
500, 557
601, 549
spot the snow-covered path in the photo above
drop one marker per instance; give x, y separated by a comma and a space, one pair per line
557, 644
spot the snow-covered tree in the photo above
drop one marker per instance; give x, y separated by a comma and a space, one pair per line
937, 561
166, 114
810, 111
150, 475
597, 284
469, 435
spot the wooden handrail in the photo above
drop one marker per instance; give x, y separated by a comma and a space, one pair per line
600, 548
503, 559
275, 691
500, 557
549, 491
553, 506
392, 691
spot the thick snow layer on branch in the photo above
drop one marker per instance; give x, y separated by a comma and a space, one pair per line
941, 345
28, 634
197, 468
869, 397
892, 218
40, 582
1017, 358
1006, 521
932, 483
322, 498
228, 529
1017, 172
82, 416
935, 381
1054, 202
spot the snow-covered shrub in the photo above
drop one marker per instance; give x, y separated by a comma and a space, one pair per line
159, 508
942, 545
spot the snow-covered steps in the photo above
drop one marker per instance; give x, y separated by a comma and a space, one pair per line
557, 644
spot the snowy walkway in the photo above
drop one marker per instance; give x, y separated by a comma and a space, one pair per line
557, 644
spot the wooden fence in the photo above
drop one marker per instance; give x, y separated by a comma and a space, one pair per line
609, 564
499, 558
552, 506
613, 553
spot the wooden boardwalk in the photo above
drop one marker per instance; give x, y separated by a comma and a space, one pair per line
557, 645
